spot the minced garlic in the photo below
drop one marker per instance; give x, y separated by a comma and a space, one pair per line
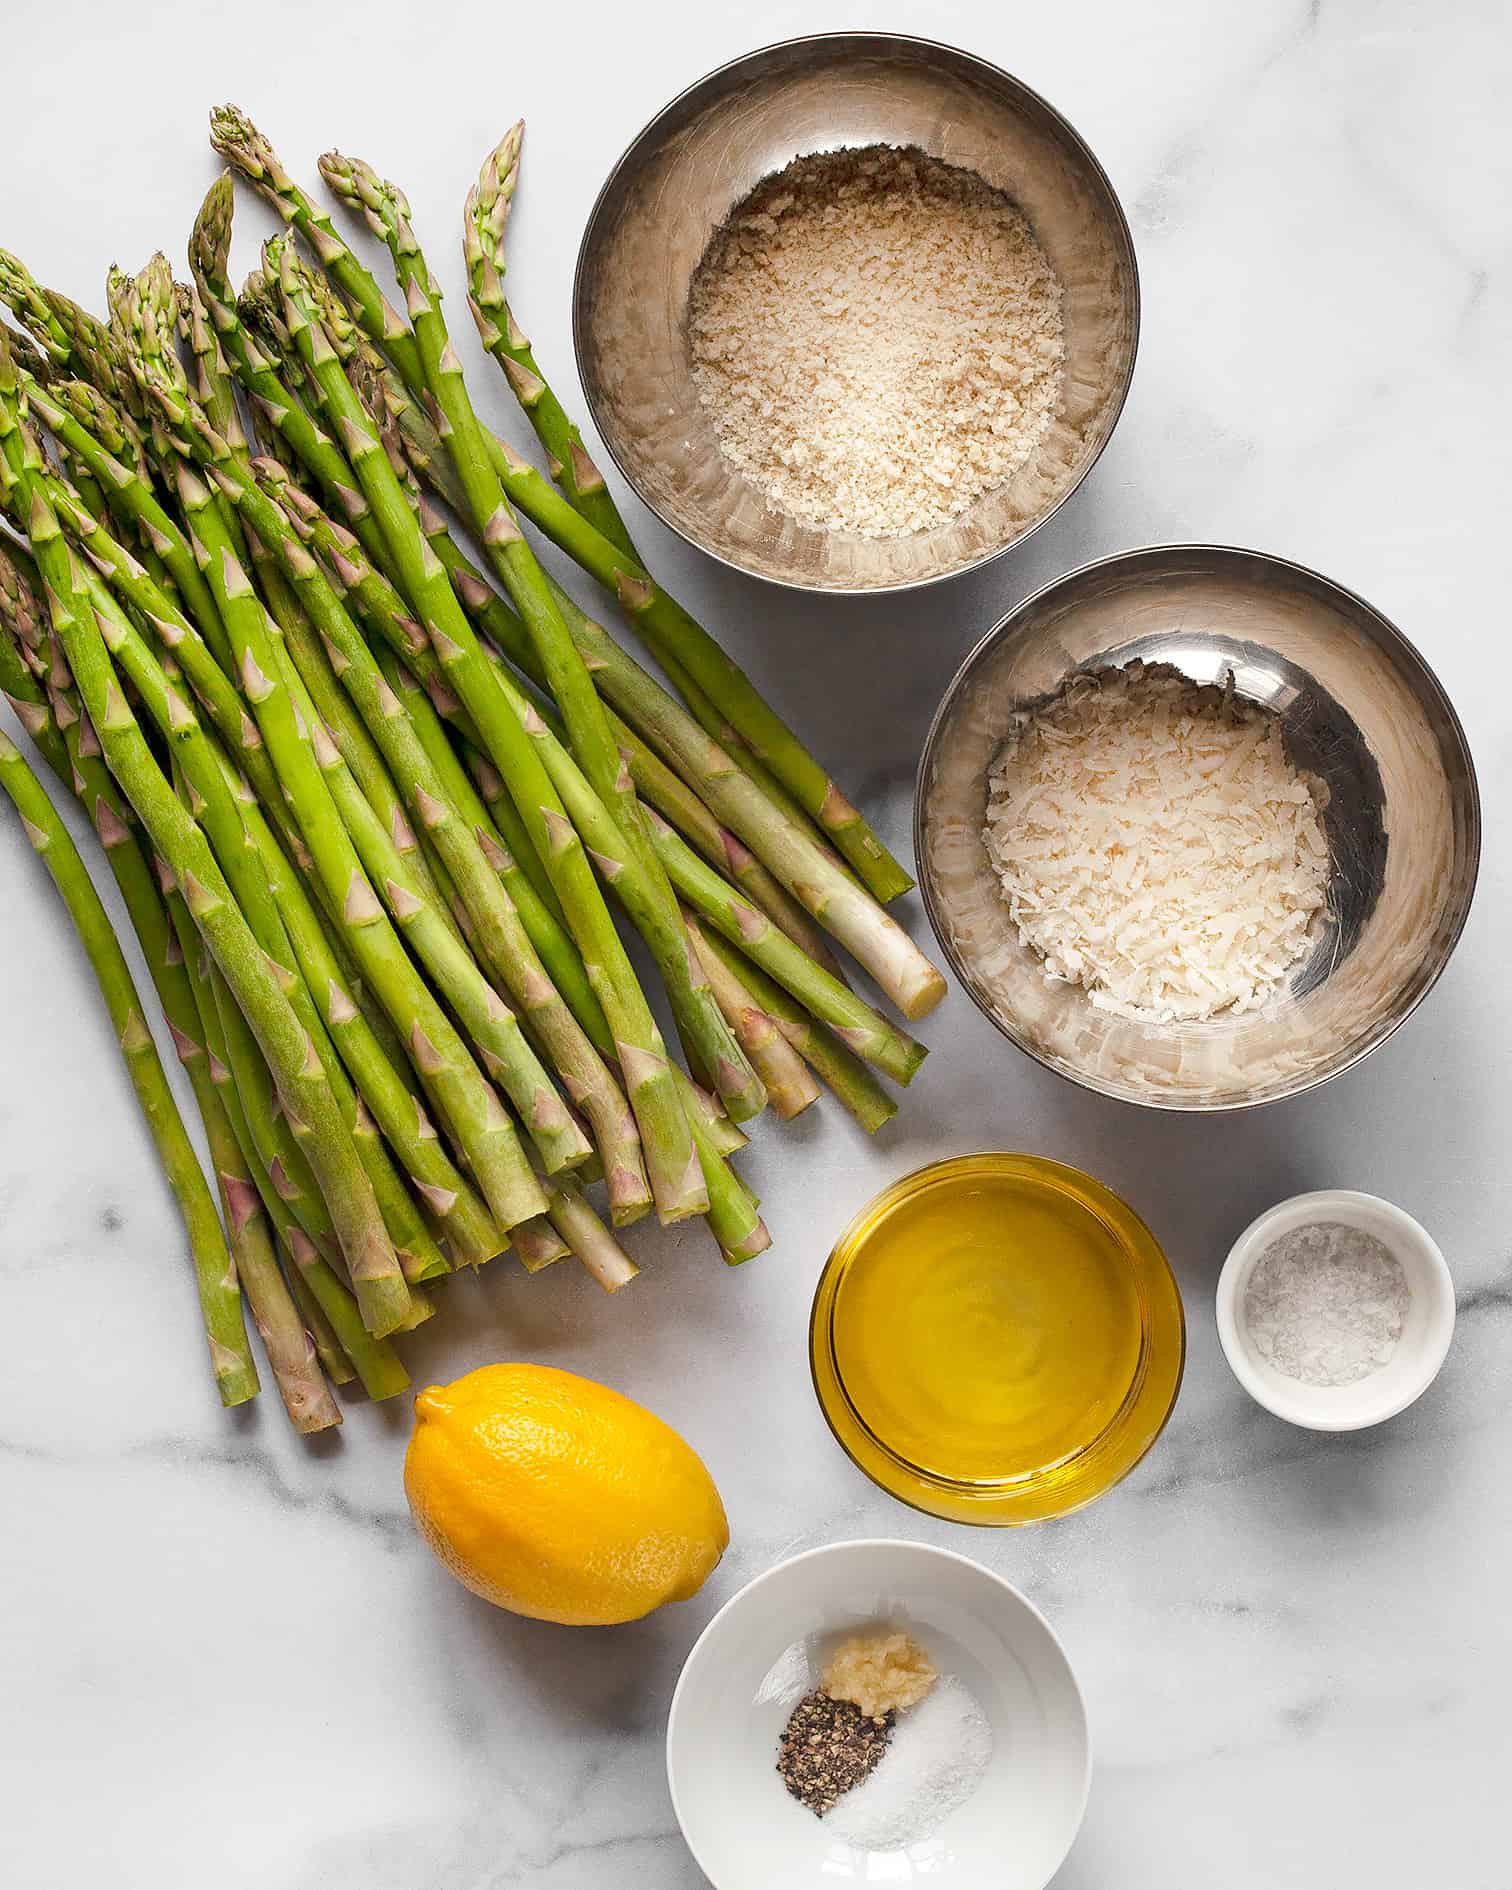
880, 1673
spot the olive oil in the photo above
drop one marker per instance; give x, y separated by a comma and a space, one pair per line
989, 1327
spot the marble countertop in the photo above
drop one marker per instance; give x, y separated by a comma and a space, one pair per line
226, 1656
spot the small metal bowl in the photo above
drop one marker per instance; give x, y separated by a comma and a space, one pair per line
706, 151
1360, 709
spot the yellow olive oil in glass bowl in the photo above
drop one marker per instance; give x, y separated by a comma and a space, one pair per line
997, 1339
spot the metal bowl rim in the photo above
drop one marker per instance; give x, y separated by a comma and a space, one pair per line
1004, 628
579, 320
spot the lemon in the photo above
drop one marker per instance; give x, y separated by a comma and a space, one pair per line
555, 1497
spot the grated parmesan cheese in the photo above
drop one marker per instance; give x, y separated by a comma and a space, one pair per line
1155, 844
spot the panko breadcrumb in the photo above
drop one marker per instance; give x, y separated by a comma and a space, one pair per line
877, 337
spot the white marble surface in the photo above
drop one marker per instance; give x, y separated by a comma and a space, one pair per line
225, 1656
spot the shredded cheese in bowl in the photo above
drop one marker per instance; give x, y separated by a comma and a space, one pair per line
1156, 845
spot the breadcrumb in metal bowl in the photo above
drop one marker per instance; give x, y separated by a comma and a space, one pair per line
679, 181
877, 337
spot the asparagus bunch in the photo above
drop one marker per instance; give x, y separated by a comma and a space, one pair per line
386, 805
220, 1297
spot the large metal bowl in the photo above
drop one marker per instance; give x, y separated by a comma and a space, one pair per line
699, 157
1360, 709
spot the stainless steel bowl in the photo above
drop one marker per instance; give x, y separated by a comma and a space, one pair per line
1360, 709
699, 157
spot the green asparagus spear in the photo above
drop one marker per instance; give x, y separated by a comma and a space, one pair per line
301, 1077
658, 617
640, 880
670, 1159
220, 1295
484, 218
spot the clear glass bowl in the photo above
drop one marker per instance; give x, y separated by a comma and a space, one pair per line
921, 1433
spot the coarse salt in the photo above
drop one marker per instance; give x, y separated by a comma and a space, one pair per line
1326, 1303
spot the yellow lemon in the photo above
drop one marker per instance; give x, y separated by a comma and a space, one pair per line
555, 1497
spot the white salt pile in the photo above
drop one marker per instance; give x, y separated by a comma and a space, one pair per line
936, 1760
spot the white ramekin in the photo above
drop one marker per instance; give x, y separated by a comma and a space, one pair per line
1426, 1331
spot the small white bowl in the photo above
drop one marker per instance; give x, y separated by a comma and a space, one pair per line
1426, 1330
764, 1650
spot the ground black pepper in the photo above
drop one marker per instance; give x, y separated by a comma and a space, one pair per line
827, 1747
